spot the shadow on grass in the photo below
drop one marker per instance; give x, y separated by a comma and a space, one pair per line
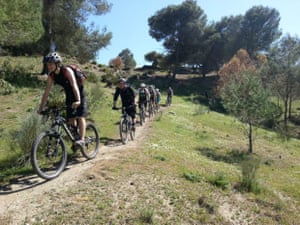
234, 156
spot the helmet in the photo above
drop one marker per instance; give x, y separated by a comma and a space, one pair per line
53, 57
122, 81
143, 85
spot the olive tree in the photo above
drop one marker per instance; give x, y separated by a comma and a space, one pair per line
243, 94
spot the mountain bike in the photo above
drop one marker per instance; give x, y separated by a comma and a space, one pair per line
125, 126
169, 100
150, 109
142, 114
49, 153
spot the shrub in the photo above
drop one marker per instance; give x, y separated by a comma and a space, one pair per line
6, 88
31, 126
146, 216
219, 180
92, 77
249, 181
18, 75
193, 177
94, 95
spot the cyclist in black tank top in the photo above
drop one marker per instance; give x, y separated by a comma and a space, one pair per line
75, 96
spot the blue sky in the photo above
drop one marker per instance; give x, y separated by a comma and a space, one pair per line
128, 22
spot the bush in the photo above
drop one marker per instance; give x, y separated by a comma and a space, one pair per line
94, 95
219, 180
18, 75
193, 177
30, 128
92, 77
6, 88
249, 182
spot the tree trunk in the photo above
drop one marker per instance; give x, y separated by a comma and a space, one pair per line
250, 138
285, 115
290, 108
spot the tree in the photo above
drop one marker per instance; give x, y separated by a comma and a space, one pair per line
259, 29
155, 58
255, 32
229, 42
127, 58
204, 52
283, 73
117, 64
20, 23
176, 26
243, 94
64, 25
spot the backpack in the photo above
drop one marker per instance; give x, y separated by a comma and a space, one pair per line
79, 74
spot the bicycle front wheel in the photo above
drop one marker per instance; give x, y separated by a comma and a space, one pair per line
142, 117
48, 155
92, 142
123, 128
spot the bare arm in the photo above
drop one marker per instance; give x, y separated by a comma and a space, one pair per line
46, 94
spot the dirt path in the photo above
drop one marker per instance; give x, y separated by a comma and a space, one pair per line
21, 198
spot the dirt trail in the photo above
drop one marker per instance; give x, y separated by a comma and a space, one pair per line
20, 199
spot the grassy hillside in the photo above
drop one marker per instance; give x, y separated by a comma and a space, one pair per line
188, 171
192, 169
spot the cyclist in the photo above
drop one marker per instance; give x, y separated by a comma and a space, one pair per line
152, 95
158, 97
169, 95
143, 96
76, 106
127, 98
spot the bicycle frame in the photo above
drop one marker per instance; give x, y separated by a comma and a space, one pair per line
58, 123
48, 152
125, 126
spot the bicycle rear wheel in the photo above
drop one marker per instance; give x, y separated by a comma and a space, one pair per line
123, 128
48, 155
92, 142
131, 131
142, 117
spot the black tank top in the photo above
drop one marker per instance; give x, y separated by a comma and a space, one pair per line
61, 80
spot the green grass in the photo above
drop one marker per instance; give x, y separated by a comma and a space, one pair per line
183, 174
187, 171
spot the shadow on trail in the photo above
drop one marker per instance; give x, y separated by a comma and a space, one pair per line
25, 182
106, 141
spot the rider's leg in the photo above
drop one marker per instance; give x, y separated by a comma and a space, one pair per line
82, 127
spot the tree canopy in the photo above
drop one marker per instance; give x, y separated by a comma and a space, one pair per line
127, 58
20, 23
30, 26
243, 93
178, 26
189, 40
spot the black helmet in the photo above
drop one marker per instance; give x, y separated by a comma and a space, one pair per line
53, 57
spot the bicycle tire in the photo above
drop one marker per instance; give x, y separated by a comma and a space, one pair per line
48, 155
92, 142
123, 128
151, 110
142, 117
131, 131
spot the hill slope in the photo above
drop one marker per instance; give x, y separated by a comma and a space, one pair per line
184, 168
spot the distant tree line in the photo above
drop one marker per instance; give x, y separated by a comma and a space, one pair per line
190, 40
